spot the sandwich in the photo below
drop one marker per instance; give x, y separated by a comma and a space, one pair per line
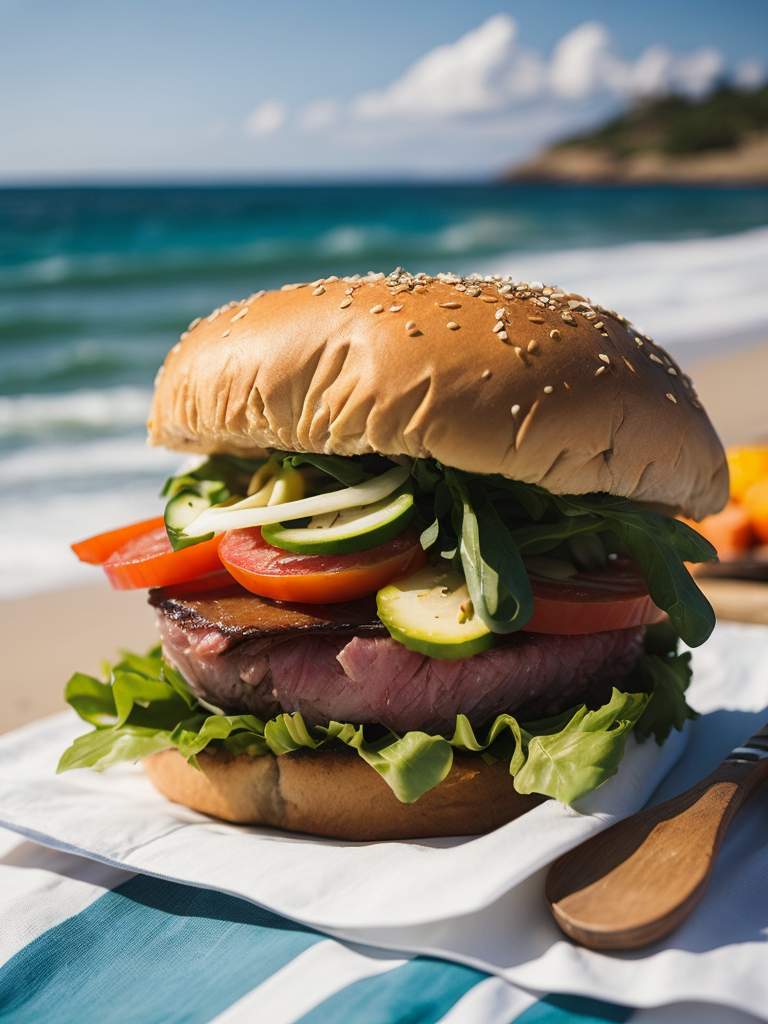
422, 568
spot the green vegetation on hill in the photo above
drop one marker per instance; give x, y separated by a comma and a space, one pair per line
680, 127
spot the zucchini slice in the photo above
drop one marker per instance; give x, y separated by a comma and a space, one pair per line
346, 531
431, 612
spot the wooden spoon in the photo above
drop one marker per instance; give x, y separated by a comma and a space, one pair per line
636, 881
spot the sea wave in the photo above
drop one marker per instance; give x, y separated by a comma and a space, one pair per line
677, 291
83, 411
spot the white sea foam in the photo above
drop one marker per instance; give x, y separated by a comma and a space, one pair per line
84, 410
676, 291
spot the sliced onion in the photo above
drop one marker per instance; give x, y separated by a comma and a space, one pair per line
240, 517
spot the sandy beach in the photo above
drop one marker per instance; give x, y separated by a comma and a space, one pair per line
47, 637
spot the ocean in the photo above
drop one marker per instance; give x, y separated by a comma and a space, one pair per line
97, 283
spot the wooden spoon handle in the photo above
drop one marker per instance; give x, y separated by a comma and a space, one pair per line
636, 881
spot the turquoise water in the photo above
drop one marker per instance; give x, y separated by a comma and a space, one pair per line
97, 283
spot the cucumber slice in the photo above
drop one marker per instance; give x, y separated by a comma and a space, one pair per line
346, 531
185, 507
431, 612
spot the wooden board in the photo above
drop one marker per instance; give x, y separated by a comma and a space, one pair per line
737, 600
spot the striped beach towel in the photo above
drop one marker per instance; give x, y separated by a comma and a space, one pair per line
83, 942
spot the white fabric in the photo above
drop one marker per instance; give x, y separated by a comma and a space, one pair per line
476, 900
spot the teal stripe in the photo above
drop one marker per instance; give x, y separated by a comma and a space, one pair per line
149, 952
564, 1009
419, 992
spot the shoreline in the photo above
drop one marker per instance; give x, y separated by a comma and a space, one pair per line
59, 632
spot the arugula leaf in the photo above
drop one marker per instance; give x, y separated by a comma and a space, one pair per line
496, 578
348, 471
668, 679
659, 545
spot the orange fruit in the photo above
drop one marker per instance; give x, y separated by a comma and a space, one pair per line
729, 530
756, 504
747, 466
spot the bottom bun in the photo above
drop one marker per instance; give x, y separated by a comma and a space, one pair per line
335, 793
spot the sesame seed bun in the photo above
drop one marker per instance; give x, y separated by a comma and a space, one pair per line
335, 793
483, 375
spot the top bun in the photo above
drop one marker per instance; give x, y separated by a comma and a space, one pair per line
480, 373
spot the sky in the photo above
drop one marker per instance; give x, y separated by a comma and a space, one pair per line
94, 90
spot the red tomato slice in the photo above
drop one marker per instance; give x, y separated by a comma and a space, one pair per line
317, 579
96, 550
592, 602
150, 561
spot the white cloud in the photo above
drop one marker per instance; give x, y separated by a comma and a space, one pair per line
458, 78
486, 72
266, 119
320, 115
584, 64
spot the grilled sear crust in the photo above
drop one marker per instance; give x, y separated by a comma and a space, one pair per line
243, 616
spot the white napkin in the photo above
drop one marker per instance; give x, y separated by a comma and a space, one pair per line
479, 900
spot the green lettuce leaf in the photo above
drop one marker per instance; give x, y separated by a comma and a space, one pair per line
147, 707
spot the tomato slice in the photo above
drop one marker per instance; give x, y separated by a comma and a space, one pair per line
615, 597
317, 579
149, 561
96, 550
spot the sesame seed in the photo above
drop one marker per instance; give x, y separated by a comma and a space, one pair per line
599, 325
319, 290
395, 309
548, 389
603, 356
536, 319
176, 348
505, 289
566, 385
533, 345
194, 323
349, 291
519, 353
377, 309
499, 313
345, 302
498, 326
536, 286
225, 333
183, 335
449, 305
461, 287
515, 410
639, 341
488, 298
239, 316
672, 371
599, 370
502, 335
485, 375
656, 359
452, 325
671, 398
410, 325
628, 364
555, 334
413, 332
